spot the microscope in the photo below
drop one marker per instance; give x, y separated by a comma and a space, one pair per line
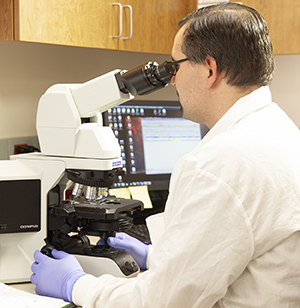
77, 153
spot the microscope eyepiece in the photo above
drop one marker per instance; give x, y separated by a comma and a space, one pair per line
146, 78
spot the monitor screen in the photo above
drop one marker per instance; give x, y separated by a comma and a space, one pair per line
152, 135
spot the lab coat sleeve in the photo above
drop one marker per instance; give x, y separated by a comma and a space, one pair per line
206, 244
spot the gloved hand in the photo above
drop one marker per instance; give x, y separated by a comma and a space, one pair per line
55, 277
131, 245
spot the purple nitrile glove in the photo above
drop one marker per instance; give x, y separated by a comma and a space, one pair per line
131, 245
55, 277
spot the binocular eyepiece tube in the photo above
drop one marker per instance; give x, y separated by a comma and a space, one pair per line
146, 78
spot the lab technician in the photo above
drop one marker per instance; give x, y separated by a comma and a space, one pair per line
229, 236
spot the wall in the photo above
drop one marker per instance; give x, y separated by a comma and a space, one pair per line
28, 69
285, 87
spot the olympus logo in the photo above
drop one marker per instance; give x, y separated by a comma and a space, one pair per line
29, 226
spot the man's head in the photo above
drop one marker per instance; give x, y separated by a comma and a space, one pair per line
229, 55
236, 36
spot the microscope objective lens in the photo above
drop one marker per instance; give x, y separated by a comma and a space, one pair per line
102, 192
77, 190
90, 193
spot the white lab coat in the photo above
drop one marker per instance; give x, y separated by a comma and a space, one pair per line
229, 236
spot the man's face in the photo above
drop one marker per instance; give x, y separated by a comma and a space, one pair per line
187, 82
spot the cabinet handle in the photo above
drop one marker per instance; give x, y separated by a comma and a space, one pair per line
121, 25
130, 22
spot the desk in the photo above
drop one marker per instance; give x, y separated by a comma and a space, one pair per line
27, 287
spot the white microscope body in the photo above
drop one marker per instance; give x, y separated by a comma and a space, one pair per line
65, 144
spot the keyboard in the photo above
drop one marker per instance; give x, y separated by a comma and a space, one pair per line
140, 232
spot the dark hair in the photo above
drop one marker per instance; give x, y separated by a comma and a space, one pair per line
236, 36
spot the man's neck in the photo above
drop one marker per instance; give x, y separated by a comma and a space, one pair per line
222, 101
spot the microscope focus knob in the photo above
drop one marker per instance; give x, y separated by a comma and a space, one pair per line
47, 250
83, 239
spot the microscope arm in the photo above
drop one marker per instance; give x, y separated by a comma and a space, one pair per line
60, 110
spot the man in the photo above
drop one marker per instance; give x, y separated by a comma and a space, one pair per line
229, 236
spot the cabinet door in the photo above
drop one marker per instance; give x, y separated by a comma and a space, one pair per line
6, 20
85, 23
283, 20
154, 25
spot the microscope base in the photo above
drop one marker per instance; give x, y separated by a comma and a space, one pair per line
98, 266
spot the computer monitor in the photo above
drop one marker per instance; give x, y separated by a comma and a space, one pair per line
152, 135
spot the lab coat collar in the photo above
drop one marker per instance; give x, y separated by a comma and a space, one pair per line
256, 100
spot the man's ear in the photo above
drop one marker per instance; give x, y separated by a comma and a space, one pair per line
212, 72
